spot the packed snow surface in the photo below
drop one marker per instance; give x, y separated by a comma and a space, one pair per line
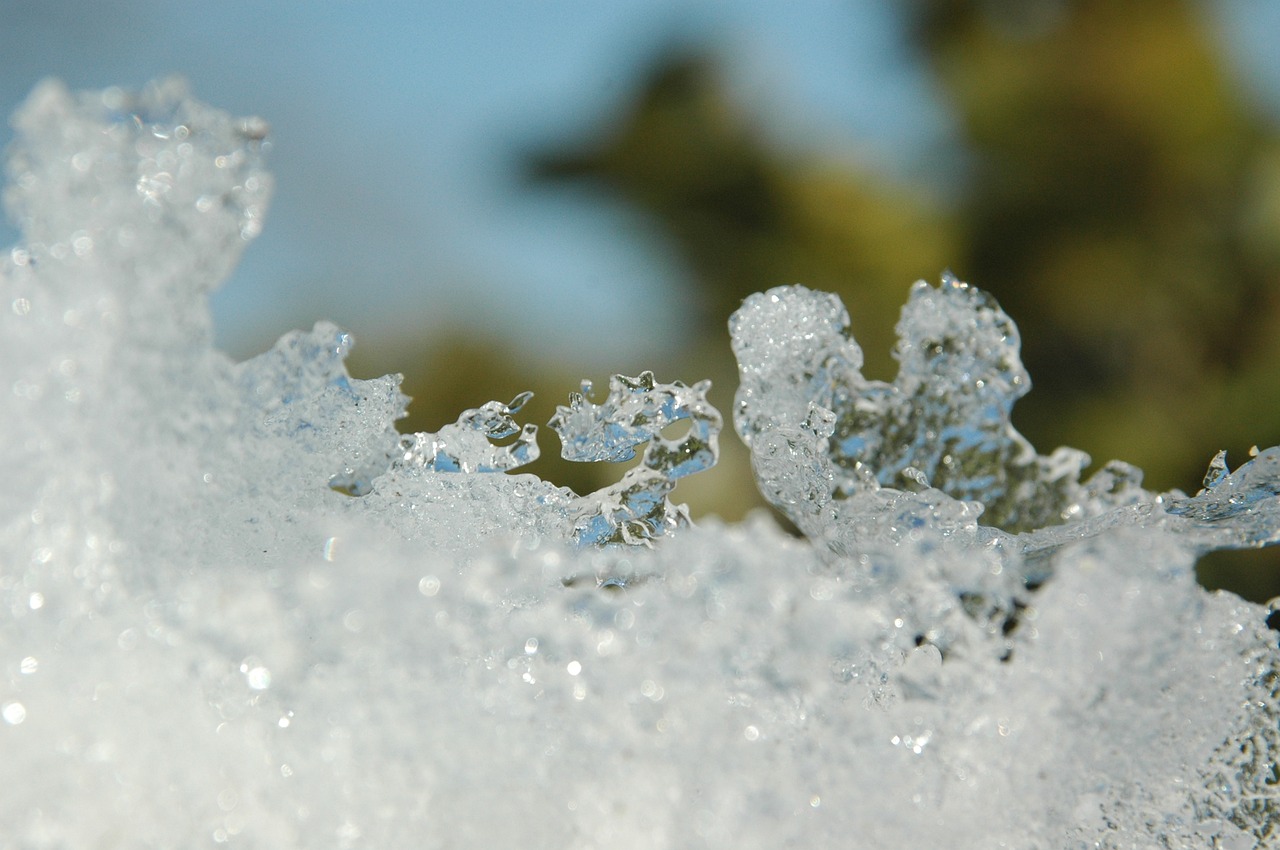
240, 609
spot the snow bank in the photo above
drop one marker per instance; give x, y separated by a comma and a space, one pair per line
240, 609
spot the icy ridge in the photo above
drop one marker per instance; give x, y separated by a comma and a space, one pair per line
939, 440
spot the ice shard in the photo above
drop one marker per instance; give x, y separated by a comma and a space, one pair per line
636, 412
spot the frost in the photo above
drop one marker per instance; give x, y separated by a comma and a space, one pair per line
236, 607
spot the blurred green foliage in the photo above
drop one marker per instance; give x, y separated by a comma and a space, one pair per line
1122, 202
1119, 196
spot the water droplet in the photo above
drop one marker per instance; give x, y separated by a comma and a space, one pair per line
257, 676
652, 690
13, 713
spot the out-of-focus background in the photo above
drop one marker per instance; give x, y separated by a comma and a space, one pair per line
502, 195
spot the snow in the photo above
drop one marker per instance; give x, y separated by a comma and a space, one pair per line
239, 608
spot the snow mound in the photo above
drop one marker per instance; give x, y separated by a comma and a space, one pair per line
239, 608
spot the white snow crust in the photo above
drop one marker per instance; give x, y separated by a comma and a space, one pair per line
239, 609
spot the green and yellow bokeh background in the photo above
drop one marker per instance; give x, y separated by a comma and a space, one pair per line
1110, 183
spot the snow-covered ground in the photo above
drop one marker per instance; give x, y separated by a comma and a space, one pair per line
240, 609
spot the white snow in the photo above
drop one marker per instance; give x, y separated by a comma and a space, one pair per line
239, 609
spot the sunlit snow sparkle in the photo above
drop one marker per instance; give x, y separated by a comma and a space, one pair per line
240, 609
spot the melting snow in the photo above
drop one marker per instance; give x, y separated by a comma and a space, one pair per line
240, 609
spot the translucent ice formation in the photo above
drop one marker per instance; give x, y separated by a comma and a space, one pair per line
236, 607
944, 423
465, 445
636, 412
849, 459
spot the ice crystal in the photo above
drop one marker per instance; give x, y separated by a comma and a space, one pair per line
636, 412
944, 423
938, 446
236, 607
465, 446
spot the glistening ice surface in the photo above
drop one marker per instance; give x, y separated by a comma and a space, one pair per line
240, 609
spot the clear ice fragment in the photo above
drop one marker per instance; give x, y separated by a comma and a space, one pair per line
1217, 471
943, 423
300, 390
464, 446
635, 412
1239, 509
852, 461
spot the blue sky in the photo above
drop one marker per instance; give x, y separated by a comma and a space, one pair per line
397, 129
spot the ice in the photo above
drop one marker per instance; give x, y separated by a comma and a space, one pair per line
239, 609
637, 411
465, 445
944, 423
851, 460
